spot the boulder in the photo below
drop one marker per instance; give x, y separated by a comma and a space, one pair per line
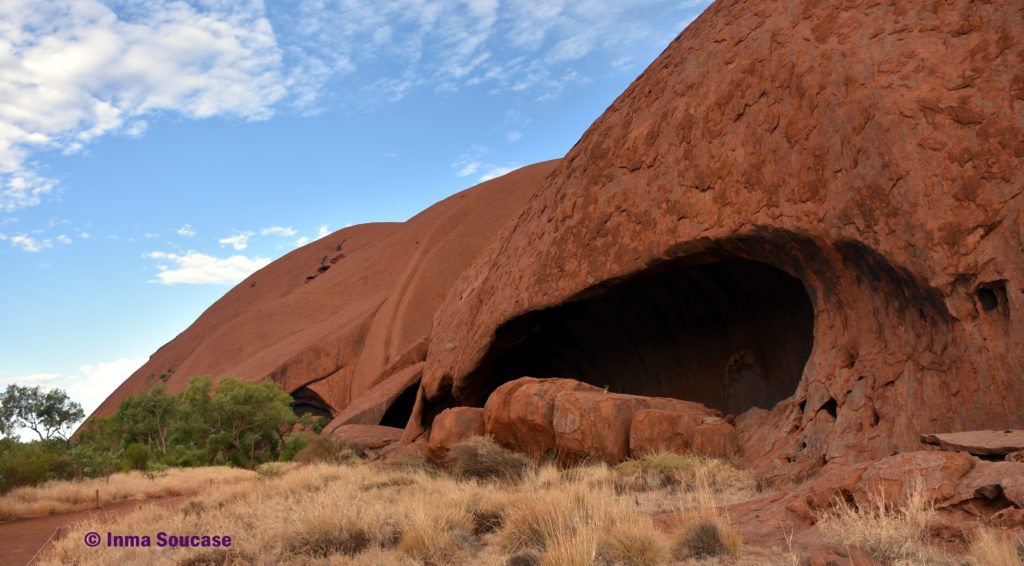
453, 426
595, 425
367, 440
699, 431
518, 414
979, 442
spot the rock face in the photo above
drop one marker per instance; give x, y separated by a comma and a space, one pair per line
346, 315
979, 442
806, 214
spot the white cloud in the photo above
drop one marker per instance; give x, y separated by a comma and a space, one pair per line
239, 241
496, 172
64, 239
301, 241
195, 268
74, 70
514, 136
468, 169
89, 386
282, 231
187, 231
84, 235
323, 231
29, 244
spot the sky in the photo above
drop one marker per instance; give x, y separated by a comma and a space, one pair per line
154, 153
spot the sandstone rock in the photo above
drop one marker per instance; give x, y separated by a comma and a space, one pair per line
935, 474
453, 426
371, 406
838, 555
979, 442
873, 156
519, 413
595, 425
1017, 456
698, 432
363, 319
367, 440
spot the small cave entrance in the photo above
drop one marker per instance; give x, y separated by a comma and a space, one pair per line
307, 402
733, 334
400, 410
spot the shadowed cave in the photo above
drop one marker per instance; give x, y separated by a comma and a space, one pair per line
307, 402
732, 335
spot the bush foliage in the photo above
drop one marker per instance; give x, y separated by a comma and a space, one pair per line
232, 422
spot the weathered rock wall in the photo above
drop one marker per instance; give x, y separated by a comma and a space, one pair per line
873, 150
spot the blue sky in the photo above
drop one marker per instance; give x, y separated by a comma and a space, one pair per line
152, 154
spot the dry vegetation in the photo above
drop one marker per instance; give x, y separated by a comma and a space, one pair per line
65, 496
492, 507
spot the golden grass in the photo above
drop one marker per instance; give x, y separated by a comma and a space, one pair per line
371, 513
66, 496
893, 534
996, 548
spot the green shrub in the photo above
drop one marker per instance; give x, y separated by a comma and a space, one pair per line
136, 457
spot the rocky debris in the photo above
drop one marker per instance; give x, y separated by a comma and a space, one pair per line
576, 421
453, 426
979, 442
963, 489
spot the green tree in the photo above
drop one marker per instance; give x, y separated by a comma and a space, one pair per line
147, 418
250, 421
50, 414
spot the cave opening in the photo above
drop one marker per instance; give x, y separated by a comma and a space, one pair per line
400, 410
732, 334
308, 402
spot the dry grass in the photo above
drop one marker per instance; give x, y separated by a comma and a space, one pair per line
369, 513
893, 534
996, 548
480, 458
66, 496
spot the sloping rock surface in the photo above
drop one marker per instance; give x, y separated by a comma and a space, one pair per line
344, 313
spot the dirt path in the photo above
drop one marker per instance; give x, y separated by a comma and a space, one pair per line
21, 539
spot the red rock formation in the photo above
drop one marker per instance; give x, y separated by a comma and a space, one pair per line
346, 315
805, 214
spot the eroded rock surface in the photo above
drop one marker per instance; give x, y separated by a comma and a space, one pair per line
979, 442
870, 152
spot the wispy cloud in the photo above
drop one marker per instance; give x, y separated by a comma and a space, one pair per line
194, 268
496, 172
29, 244
74, 70
239, 241
282, 231
186, 231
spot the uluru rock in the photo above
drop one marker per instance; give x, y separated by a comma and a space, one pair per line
683, 432
807, 211
348, 314
979, 442
453, 426
596, 425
